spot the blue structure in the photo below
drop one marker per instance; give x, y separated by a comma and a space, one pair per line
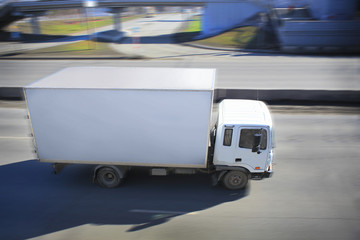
323, 9
331, 25
334, 10
223, 16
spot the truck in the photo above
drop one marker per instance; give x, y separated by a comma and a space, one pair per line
163, 119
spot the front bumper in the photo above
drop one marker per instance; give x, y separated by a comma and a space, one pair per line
266, 174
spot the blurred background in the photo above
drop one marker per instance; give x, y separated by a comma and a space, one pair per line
301, 26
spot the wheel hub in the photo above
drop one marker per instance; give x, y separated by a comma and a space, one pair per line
236, 179
109, 176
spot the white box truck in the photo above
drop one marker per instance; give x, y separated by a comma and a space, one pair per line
159, 118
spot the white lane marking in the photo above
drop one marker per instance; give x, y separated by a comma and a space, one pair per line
160, 211
20, 138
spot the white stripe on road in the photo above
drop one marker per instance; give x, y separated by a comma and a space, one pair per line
20, 138
160, 211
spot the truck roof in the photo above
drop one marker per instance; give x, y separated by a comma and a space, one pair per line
244, 112
196, 79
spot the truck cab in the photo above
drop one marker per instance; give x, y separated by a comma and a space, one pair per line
244, 138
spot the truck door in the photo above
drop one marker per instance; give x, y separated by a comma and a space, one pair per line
243, 151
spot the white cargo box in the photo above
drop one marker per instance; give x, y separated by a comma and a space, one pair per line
125, 116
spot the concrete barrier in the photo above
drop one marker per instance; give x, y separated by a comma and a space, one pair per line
11, 93
291, 96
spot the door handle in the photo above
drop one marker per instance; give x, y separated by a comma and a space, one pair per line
238, 159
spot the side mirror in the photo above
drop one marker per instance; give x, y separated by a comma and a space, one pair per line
256, 143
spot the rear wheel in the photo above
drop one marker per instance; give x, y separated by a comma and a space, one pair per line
235, 179
108, 177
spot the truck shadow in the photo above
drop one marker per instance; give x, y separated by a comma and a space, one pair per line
35, 202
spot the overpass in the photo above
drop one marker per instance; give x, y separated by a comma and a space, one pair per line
218, 15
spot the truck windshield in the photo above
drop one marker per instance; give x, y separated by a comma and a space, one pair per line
247, 138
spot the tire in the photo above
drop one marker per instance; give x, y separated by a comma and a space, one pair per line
108, 177
235, 180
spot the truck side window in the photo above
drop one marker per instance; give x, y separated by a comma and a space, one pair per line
247, 138
227, 137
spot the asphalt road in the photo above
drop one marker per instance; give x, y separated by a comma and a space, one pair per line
314, 193
233, 71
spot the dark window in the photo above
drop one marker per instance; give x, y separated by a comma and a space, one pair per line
228, 137
247, 138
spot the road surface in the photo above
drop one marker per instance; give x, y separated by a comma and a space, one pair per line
237, 72
314, 193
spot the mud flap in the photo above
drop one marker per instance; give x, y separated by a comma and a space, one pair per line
216, 177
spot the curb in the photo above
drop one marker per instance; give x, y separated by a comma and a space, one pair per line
296, 97
285, 50
269, 51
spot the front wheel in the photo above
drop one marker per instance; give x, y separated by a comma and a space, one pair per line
108, 177
235, 179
